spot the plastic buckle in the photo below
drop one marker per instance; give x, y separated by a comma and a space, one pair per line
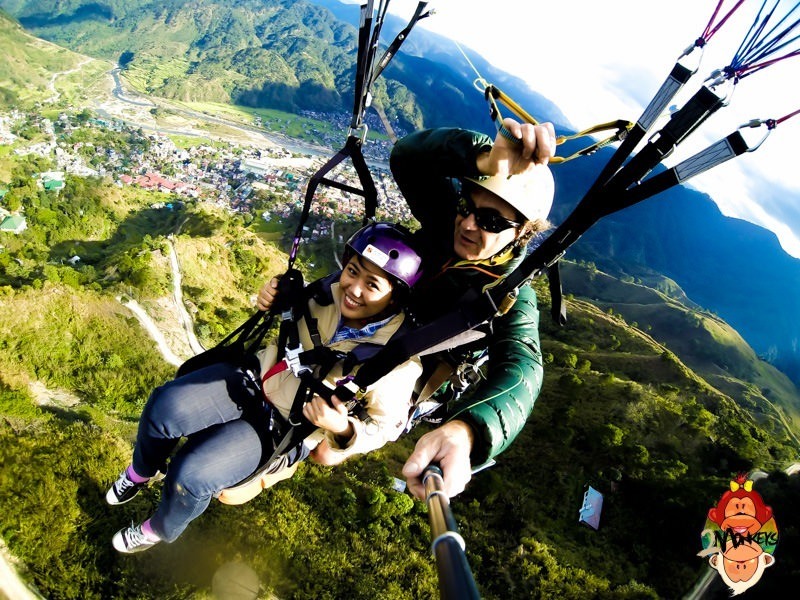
292, 358
466, 375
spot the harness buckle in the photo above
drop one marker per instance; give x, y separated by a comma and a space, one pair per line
468, 373
292, 358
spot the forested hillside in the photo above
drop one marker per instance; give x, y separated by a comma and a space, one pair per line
276, 54
706, 343
300, 56
619, 411
29, 65
632, 404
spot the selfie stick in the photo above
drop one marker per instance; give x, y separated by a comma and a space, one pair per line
455, 577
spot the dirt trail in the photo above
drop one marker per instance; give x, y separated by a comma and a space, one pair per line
153, 330
183, 314
52, 83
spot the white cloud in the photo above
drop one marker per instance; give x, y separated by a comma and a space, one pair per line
600, 61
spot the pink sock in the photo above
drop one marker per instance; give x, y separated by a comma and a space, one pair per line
134, 476
147, 530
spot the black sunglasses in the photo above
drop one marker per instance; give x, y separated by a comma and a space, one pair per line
488, 219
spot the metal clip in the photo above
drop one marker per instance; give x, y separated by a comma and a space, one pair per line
465, 376
693, 55
753, 145
359, 132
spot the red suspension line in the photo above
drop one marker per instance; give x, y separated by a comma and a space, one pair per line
785, 117
708, 32
750, 69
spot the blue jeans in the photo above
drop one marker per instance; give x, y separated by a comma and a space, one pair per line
220, 411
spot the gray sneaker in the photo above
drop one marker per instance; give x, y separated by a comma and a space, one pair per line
132, 539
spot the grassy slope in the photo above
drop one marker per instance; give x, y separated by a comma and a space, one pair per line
222, 269
666, 423
703, 341
29, 64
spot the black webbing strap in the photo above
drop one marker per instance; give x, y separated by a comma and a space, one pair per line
470, 312
311, 383
680, 125
353, 143
298, 427
671, 86
398, 41
351, 150
289, 304
247, 332
365, 76
558, 310
621, 190
242, 341
729, 147
289, 345
311, 325
363, 65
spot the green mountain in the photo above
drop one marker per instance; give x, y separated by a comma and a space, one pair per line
28, 64
706, 344
271, 54
277, 54
299, 56
651, 418
619, 410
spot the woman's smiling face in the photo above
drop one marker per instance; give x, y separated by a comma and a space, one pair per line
366, 291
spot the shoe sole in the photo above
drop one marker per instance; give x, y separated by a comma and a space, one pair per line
111, 498
118, 541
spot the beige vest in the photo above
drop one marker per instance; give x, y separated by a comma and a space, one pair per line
388, 400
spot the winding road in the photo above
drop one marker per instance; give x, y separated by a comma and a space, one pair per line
52, 85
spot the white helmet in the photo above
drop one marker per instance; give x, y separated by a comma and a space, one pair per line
530, 193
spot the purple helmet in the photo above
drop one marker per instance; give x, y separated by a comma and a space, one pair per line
387, 246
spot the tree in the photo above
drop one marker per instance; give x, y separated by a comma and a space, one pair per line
569, 360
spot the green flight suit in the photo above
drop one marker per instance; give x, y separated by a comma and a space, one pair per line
427, 166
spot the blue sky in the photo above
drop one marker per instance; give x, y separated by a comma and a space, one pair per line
604, 60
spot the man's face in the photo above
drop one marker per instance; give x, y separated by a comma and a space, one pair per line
470, 242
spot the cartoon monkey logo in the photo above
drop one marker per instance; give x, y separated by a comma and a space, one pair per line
742, 566
740, 536
741, 509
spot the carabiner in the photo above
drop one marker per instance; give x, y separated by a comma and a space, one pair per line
752, 124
